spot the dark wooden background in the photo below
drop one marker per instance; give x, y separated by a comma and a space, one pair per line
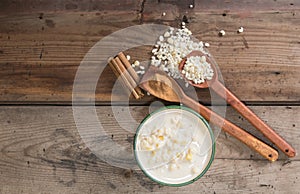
43, 42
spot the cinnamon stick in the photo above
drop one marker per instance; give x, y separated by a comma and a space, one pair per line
118, 66
129, 77
123, 82
128, 67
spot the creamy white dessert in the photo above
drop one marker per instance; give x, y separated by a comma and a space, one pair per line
173, 146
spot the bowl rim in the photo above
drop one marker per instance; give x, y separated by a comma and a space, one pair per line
211, 136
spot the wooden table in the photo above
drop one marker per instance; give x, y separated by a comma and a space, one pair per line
43, 42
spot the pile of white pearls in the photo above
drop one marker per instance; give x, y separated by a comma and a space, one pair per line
171, 48
197, 69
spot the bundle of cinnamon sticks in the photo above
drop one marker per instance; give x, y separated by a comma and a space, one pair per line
129, 78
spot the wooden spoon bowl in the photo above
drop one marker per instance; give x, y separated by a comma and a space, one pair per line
206, 83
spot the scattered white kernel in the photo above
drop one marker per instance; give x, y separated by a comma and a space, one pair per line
206, 44
241, 30
141, 72
142, 67
161, 38
154, 50
167, 34
164, 14
170, 41
128, 57
148, 94
191, 6
133, 65
136, 63
222, 33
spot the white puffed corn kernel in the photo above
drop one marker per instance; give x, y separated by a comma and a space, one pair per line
203, 59
167, 34
222, 33
170, 41
161, 38
154, 50
136, 63
241, 30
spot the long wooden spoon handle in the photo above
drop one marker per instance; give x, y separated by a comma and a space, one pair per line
251, 141
269, 133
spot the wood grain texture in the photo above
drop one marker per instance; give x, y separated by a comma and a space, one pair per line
41, 50
41, 151
43, 42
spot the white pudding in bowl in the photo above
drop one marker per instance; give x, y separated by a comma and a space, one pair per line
174, 146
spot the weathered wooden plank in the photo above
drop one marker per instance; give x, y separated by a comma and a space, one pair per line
42, 46
39, 57
23, 126
220, 5
9, 7
224, 176
41, 151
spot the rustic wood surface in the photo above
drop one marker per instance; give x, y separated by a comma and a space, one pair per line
42, 49
41, 151
43, 42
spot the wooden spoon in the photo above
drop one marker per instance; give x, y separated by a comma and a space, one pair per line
157, 83
231, 99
